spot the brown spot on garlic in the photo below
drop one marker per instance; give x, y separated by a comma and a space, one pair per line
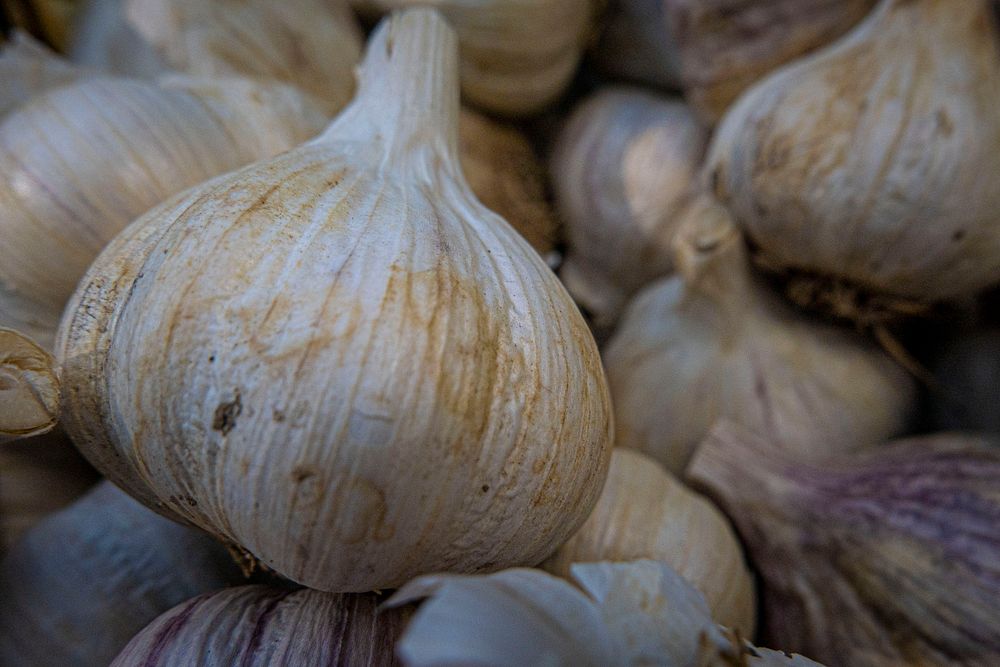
226, 413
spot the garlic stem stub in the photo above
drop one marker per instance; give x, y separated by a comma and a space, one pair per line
884, 558
715, 342
874, 161
644, 512
29, 387
84, 581
624, 168
355, 372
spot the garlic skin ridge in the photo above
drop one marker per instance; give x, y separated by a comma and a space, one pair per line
714, 342
347, 327
874, 161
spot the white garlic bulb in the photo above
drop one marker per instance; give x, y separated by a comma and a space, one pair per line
27, 68
80, 584
518, 56
623, 170
338, 359
261, 626
82, 161
874, 161
713, 342
311, 44
644, 512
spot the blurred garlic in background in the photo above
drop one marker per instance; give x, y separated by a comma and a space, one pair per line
49, 20
637, 45
27, 68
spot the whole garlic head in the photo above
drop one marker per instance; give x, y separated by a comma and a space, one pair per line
623, 170
874, 161
644, 512
355, 371
713, 342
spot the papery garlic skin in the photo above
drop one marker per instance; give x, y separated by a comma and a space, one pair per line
29, 387
875, 160
883, 558
623, 169
27, 68
518, 56
80, 584
644, 512
356, 372
723, 46
82, 161
261, 626
714, 342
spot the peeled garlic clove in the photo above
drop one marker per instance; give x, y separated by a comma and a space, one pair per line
38, 477
644, 512
517, 57
27, 69
29, 387
505, 175
347, 328
623, 170
967, 374
82, 161
724, 46
636, 44
875, 160
714, 342
884, 558
82, 583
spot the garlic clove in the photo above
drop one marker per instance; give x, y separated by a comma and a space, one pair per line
644, 512
29, 387
873, 161
723, 46
27, 69
636, 44
517, 57
260, 626
506, 176
82, 161
623, 170
82, 582
884, 558
714, 342
347, 328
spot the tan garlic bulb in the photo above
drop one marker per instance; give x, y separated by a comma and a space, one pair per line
311, 44
338, 359
645, 512
37, 477
83, 582
82, 161
713, 342
637, 45
261, 626
27, 68
874, 560
724, 46
29, 387
623, 169
518, 56
506, 176
875, 160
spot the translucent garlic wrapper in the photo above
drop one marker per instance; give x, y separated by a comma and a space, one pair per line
338, 359
874, 161
713, 342
82, 161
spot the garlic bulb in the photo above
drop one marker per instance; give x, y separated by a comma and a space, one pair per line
346, 327
29, 387
80, 584
875, 160
617, 614
37, 477
27, 68
713, 342
623, 170
724, 46
310, 44
967, 374
644, 512
506, 176
260, 626
82, 161
636, 44
886, 558
518, 56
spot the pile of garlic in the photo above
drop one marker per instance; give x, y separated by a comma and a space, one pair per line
561, 332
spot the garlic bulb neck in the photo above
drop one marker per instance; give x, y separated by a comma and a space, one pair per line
711, 256
29, 387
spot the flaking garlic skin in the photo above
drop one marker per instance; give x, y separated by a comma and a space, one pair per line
338, 359
884, 558
874, 161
